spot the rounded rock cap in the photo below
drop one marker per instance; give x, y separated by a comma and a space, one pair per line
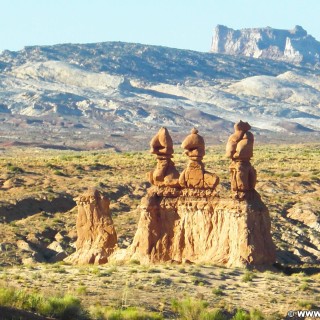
195, 143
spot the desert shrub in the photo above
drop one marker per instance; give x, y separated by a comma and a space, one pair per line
64, 308
182, 270
304, 286
95, 270
213, 315
248, 276
293, 174
58, 173
7, 297
82, 290
296, 174
189, 309
159, 281
131, 271
196, 273
153, 270
198, 281
256, 315
79, 167
51, 166
59, 269
217, 291
241, 315
14, 169
106, 313
307, 304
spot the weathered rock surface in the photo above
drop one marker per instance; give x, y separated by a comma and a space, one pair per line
195, 176
191, 223
165, 173
130, 86
203, 229
306, 215
240, 150
97, 237
293, 46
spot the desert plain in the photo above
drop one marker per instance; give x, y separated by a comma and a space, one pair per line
38, 212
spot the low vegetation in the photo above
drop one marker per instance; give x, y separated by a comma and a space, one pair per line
68, 307
64, 307
32, 180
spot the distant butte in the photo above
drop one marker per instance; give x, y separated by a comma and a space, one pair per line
293, 46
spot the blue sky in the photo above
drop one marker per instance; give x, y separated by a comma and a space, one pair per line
186, 24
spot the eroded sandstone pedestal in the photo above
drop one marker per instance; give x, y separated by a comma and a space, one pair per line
97, 238
189, 222
203, 229
240, 150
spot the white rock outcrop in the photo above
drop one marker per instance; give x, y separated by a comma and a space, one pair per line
293, 46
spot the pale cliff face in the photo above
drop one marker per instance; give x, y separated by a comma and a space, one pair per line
293, 46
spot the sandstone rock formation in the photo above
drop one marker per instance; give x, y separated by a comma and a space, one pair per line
97, 237
293, 46
195, 176
240, 150
193, 224
165, 174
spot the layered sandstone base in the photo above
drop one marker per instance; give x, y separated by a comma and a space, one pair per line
97, 238
198, 227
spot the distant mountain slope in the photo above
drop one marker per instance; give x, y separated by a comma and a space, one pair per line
295, 46
145, 62
114, 92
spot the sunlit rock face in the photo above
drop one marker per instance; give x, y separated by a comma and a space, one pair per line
189, 222
286, 45
97, 237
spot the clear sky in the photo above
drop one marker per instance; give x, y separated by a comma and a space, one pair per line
186, 24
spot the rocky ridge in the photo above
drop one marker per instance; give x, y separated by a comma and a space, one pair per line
105, 94
294, 46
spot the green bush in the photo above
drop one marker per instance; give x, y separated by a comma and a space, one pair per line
241, 315
14, 169
217, 291
101, 313
189, 309
63, 308
304, 286
58, 173
248, 276
7, 297
307, 304
82, 290
296, 174
214, 315
256, 315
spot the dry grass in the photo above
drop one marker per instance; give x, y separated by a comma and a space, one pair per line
118, 287
287, 176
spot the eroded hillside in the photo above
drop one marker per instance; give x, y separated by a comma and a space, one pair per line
84, 95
